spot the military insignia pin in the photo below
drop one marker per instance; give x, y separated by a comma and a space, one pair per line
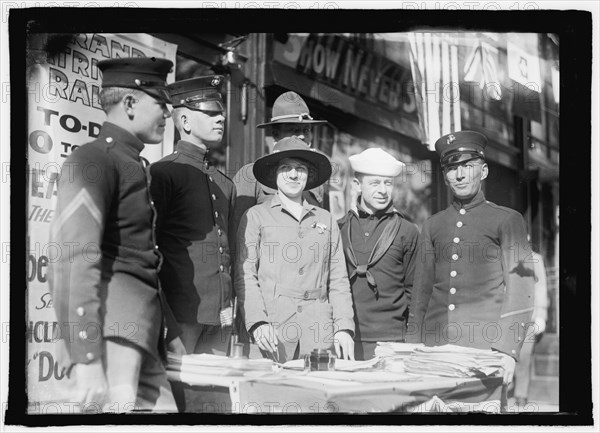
215, 81
450, 139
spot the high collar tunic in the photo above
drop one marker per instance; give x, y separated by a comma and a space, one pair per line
105, 283
194, 201
474, 278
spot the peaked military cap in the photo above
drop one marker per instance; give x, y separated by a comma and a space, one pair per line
148, 74
460, 146
199, 93
289, 107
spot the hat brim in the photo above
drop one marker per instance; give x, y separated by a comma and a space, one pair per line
157, 93
265, 168
454, 158
284, 121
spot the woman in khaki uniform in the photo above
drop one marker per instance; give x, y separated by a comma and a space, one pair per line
290, 274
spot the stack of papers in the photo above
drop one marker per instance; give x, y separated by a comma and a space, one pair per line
218, 365
453, 361
393, 354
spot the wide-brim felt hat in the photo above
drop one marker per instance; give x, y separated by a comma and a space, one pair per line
290, 108
319, 166
147, 74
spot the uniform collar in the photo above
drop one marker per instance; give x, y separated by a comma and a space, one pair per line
192, 150
469, 204
362, 213
120, 135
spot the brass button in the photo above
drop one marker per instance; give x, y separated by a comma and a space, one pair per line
300, 309
300, 234
451, 307
456, 240
301, 271
109, 139
210, 178
452, 291
80, 311
454, 256
219, 232
221, 250
90, 356
306, 295
214, 197
459, 224
462, 211
367, 234
513, 351
221, 268
453, 274
83, 335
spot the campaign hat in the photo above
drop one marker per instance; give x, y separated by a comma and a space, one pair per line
289, 107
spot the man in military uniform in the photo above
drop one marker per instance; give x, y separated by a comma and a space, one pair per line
474, 278
194, 202
290, 118
379, 245
105, 283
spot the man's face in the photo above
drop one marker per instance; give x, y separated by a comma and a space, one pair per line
376, 191
292, 175
207, 127
298, 130
464, 179
150, 118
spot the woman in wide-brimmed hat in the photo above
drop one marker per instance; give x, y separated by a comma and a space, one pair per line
290, 273
290, 117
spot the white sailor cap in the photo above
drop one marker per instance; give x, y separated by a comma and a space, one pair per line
376, 161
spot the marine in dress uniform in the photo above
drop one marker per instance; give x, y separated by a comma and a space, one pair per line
379, 245
291, 117
194, 201
474, 278
105, 283
290, 273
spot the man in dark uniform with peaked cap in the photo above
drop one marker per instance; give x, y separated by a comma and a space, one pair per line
474, 279
194, 201
105, 283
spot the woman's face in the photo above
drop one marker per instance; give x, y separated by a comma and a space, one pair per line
292, 175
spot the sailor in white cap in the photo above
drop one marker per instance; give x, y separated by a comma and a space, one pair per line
379, 245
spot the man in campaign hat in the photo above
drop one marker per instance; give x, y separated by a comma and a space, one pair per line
379, 245
474, 278
105, 283
290, 272
194, 201
290, 118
